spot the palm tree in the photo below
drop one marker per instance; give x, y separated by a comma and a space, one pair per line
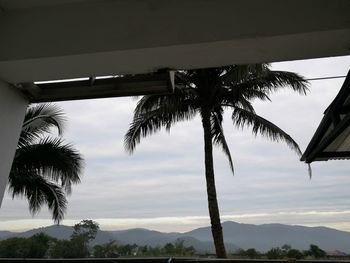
209, 92
44, 168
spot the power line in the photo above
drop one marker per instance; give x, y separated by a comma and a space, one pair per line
323, 78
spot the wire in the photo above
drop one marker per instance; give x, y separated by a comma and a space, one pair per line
323, 78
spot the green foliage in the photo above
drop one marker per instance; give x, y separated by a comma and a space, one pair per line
73, 248
36, 246
83, 233
86, 230
112, 249
15, 247
286, 252
128, 250
283, 252
275, 253
295, 254
285, 248
252, 253
63, 249
149, 251
315, 252
169, 249
44, 246
40, 245
108, 250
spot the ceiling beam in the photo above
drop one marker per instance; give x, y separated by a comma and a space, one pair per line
86, 38
93, 88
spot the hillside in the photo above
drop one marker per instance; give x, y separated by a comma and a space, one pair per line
260, 237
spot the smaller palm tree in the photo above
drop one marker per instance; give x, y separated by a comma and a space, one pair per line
44, 167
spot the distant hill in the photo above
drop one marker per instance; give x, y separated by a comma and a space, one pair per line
264, 237
57, 231
260, 237
5, 234
143, 237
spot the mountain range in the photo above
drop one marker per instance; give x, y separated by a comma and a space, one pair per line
237, 235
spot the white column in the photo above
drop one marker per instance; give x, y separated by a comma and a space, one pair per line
12, 109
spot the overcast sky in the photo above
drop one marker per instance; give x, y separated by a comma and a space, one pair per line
162, 186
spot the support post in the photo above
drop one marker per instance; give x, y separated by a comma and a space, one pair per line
12, 110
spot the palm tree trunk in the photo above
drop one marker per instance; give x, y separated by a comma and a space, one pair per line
214, 214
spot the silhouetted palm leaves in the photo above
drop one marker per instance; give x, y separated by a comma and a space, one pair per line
44, 167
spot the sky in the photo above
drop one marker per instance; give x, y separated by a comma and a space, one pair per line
162, 185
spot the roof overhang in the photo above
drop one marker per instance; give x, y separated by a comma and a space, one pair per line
332, 137
99, 87
63, 39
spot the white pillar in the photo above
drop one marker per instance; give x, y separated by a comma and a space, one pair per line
12, 109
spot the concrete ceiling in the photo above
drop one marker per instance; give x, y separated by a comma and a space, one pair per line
55, 39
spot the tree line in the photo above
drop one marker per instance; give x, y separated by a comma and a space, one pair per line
42, 245
79, 245
283, 252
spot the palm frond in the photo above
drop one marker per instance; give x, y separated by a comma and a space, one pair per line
38, 191
240, 73
157, 111
219, 136
260, 125
152, 122
266, 128
271, 81
181, 95
52, 159
40, 119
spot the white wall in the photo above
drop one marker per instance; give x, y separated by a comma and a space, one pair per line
12, 110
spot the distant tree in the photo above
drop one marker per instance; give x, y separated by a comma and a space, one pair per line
285, 248
252, 253
169, 249
83, 233
39, 245
36, 246
295, 254
15, 247
108, 250
179, 247
154, 251
143, 250
315, 252
239, 253
63, 249
86, 229
275, 253
78, 245
190, 251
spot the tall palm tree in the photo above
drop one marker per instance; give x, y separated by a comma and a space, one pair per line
44, 167
209, 92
